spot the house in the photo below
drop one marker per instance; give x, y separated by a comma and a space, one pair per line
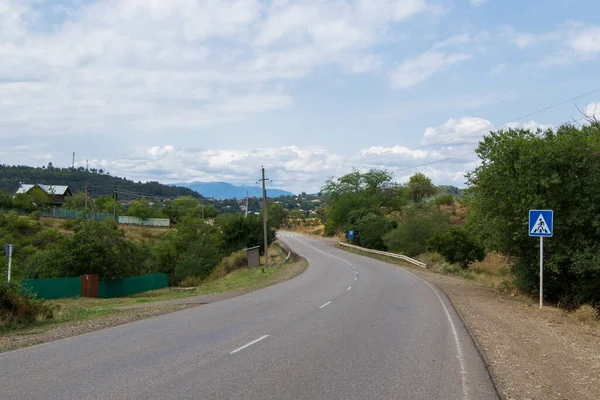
56, 193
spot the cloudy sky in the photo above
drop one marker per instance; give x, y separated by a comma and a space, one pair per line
210, 90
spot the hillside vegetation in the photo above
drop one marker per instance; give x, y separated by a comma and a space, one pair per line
103, 184
520, 170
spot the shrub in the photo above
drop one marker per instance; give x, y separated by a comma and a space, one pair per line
229, 264
371, 229
445, 199
17, 308
191, 281
413, 231
586, 313
457, 246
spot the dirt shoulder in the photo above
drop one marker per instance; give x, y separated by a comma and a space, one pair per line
532, 354
114, 314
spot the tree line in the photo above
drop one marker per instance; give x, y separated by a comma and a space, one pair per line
520, 169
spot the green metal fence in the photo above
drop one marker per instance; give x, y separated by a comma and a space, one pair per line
133, 285
74, 214
58, 288
54, 288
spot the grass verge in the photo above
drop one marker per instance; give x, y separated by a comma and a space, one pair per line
80, 315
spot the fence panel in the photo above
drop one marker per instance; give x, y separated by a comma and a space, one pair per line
133, 285
53, 288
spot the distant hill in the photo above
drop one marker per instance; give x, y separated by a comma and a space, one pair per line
224, 190
102, 183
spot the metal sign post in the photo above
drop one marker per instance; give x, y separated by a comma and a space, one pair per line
8, 249
351, 235
541, 224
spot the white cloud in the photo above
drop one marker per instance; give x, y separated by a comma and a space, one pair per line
160, 66
453, 41
447, 154
416, 70
592, 110
587, 41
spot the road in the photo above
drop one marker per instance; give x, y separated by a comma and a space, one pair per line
349, 327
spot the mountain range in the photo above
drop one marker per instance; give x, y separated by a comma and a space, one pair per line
224, 190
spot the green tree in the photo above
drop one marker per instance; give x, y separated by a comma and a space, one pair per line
420, 187
107, 205
277, 215
558, 170
458, 247
414, 229
141, 208
76, 202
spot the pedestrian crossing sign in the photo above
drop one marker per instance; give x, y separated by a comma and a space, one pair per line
541, 223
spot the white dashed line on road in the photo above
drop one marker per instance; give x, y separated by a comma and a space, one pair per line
349, 287
325, 305
249, 344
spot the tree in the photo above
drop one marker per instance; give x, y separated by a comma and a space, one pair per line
414, 229
76, 202
277, 215
458, 247
371, 190
295, 216
420, 187
522, 170
107, 205
141, 208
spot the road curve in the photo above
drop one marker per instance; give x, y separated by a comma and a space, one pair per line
349, 327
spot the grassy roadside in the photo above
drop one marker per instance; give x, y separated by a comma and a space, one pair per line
81, 315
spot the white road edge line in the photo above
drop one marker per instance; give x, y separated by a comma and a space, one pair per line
325, 305
249, 344
349, 287
322, 252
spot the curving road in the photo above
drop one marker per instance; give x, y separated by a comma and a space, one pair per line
349, 327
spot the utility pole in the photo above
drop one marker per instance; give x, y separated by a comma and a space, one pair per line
115, 199
265, 217
246, 204
86, 165
73, 160
87, 191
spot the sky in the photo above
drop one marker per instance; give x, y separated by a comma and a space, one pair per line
211, 90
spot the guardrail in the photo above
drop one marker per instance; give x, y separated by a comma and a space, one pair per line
387, 254
285, 249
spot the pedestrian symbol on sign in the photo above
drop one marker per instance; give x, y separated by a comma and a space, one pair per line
541, 223
541, 226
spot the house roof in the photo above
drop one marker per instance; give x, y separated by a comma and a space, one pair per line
48, 189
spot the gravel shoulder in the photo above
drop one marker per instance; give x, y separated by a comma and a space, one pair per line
531, 353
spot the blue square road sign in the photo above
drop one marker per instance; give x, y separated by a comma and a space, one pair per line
541, 223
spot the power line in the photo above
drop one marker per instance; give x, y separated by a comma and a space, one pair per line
491, 128
449, 140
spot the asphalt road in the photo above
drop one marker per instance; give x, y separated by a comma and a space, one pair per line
349, 327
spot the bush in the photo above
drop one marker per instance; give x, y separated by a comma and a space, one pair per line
416, 227
229, 264
457, 246
444, 199
586, 314
191, 281
371, 229
17, 308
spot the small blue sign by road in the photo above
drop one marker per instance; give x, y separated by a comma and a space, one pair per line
350, 234
541, 223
